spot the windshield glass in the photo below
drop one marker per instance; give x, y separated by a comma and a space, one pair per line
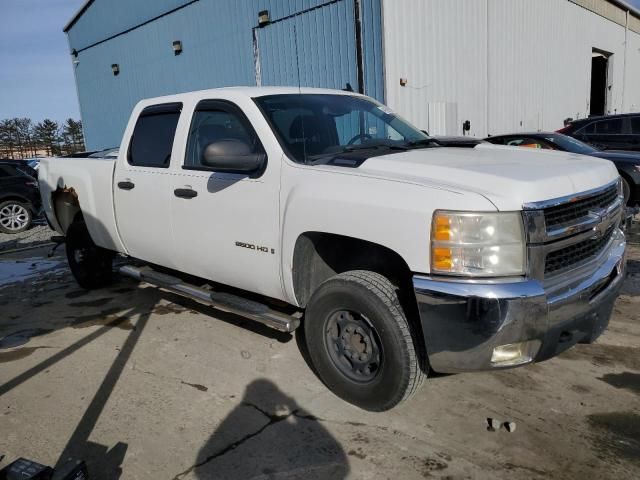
572, 145
314, 126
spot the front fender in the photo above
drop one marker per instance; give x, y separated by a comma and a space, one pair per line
394, 214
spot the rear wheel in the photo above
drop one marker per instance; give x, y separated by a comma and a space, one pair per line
15, 217
360, 342
91, 266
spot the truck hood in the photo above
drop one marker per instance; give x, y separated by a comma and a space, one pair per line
507, 176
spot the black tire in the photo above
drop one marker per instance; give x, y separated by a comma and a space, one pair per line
91, 266
392, 372
15, 216
626, 190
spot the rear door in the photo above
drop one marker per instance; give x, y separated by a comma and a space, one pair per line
607, 134
142, 186
635, 132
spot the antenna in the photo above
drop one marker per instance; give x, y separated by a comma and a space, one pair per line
304, 138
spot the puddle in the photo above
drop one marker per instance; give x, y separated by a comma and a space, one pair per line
21, 337
12, 271
92, 303
107, 317
617, 435
17, 354
197, 386
77, 293
169, 308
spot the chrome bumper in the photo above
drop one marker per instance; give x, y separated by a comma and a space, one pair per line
464, 321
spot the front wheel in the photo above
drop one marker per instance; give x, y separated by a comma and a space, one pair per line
360, 342
91, 266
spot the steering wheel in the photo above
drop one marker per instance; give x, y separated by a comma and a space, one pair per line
361, 137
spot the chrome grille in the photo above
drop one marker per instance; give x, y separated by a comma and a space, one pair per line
568, 213
576, 253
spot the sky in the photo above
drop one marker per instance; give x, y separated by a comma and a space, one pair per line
36, 75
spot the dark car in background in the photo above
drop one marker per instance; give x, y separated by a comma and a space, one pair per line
615, 132
19, 196
627, 163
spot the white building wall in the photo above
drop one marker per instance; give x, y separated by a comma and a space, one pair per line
509, 65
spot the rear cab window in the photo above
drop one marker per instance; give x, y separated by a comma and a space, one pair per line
153, 135
635, 125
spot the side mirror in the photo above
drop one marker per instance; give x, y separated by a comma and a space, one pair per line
233, 156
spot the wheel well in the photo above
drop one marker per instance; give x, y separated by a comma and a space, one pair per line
630, 182
15, 198
319, 256
66, 207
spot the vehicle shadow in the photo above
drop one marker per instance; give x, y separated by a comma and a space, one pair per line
269, 436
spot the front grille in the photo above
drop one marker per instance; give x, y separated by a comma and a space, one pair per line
574, 254
568, 213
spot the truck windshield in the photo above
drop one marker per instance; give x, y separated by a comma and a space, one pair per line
315, 126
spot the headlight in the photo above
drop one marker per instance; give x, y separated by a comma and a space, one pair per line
477, 244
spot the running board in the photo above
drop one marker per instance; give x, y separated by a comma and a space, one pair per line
222, 301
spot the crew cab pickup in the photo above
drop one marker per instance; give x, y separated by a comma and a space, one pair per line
325, 210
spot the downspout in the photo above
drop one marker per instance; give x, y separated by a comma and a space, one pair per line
624, 60
487, 79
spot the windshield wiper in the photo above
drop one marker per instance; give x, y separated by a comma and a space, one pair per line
353, 148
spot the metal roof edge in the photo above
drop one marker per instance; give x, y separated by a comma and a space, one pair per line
627, 6
77, 15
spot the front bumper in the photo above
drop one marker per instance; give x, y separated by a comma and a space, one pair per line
464, 321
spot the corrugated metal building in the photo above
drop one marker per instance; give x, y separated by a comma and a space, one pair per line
504, 65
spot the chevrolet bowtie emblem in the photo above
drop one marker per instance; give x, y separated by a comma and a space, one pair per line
601, 227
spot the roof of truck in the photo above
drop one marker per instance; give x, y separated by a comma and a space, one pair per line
251, 92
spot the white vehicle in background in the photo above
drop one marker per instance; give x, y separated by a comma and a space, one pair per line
395, 255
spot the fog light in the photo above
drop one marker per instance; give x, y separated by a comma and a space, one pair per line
515, 353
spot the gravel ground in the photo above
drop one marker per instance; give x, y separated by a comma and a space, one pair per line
38, 234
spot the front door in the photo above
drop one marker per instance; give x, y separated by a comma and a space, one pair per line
142, 186
226, 225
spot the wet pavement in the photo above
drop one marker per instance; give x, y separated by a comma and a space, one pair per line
145, 385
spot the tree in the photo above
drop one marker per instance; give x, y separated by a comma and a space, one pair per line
46, 133
72, 135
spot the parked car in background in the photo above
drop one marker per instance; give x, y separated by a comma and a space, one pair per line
19, 197
619, 132
627, 162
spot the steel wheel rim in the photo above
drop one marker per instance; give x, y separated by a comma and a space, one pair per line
353, 346
14, 217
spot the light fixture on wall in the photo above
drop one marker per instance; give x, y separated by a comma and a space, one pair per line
177, 47
403, 82
115, 68
74, 57
263, 18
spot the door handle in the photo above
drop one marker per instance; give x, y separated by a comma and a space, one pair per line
185, 193
126, 185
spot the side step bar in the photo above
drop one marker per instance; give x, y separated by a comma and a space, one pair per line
220, 300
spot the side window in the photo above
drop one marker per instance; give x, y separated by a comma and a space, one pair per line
152, 138
589, 129
4, 171
214, 121
609, 127
635, 125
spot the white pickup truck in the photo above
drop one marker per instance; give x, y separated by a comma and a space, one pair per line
323, 209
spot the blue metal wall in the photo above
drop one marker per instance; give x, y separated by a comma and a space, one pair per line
218, 51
